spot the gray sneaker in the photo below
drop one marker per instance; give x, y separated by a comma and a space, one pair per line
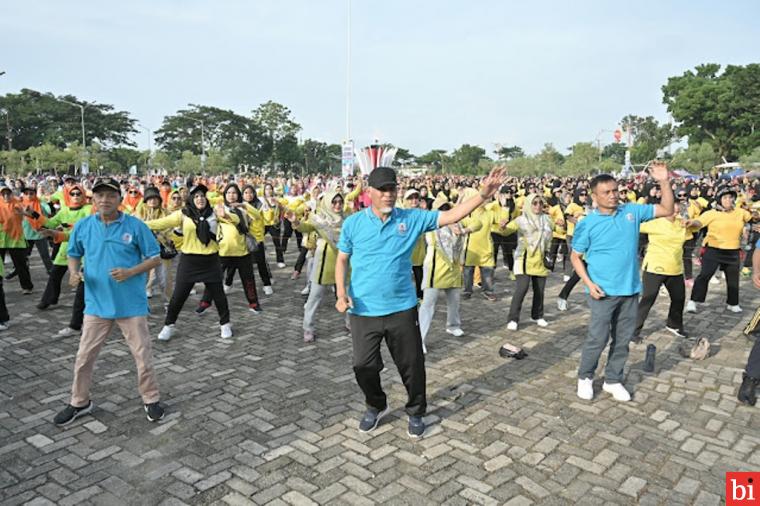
371, 418
416, 426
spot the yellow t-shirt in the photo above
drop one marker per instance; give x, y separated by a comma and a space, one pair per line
576, 212
724, 228
665, 248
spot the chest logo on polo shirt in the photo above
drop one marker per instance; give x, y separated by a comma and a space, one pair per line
402, 228
629, 217
126, 238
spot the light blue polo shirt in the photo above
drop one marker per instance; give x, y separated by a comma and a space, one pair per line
123, 243
610, 245
381, 258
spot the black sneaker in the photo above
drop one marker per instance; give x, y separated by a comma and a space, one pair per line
11, 275
416, 426
371, 418
71, 413
154, 412
677, 332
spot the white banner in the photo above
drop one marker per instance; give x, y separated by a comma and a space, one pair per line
347, 159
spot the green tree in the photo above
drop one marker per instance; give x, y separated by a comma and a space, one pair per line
509, 152
549, 160
584, 158
437, 159
277, 125
751, 160
320, 157
466, 158
32, 118
615, 151
696, 159
720, 108
648, 137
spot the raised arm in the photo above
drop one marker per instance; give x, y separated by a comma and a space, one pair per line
659, 172
490, 185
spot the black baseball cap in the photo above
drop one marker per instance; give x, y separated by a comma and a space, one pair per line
106, 183
382, 177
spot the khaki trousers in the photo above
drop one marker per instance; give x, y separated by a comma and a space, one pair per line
94, 333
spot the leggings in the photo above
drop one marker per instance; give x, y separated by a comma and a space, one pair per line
274, 232
182, 289
244, 266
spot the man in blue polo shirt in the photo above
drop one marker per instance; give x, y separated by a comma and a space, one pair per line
608, 240
382, 300
118, 250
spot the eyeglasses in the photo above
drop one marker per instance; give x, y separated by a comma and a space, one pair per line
75, 194
132, 192
681, 195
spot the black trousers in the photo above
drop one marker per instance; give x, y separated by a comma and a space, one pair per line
753, 363
565, 292
728, 261
688, 257
417, 271
300, 260
753, 237
42, 249
287, 233
18, 255
77, 311
244, 266
182, 289
4, 317
261, 262
558, 246
511, 244
53, 287
651, 287
523, 281
274, 233
501, 242
401, 332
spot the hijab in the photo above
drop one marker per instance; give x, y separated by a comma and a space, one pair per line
534, 227
204, 219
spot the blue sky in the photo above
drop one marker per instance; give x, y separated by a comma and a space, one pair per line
425, 75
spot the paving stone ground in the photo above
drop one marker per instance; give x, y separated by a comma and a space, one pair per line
266, 419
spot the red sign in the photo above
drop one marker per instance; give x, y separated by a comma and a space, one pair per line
742, 489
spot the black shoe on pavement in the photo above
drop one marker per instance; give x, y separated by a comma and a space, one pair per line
154, 412
71, 413
416, 426
371, 418
747, 390
11, 275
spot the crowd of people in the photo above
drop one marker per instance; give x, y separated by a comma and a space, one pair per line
387, 247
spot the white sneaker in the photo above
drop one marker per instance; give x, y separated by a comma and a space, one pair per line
268, 290
166, 333
691, 307
540, 322
193, 292
455, 332
714, 280
4, 325
281, 265
734, 309
565, 278
67, 332
618, 391
227, 288
562, 304
226, 331
306, 290
512, 325
586, 389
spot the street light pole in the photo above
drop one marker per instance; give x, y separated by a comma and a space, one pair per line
203, 144
150, 142
81, 108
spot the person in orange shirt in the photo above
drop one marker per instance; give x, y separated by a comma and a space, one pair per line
12, 236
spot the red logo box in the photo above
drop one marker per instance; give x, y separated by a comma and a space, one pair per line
743, 489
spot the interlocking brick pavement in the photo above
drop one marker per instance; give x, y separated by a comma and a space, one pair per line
267, 419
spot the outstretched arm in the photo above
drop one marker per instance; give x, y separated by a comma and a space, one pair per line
490, 185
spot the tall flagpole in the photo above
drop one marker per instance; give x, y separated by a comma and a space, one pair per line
348, 73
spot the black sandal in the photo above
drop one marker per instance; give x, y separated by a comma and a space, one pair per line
510, 351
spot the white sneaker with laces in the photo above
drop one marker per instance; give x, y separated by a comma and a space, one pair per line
562, 304
618, 391
565, 278
540, 322
281, 265
66, 332
226, 331
306, 290
691, 307
512, 325
227, 288
268, 290
734, 309
586, 388
455, 332
166, 333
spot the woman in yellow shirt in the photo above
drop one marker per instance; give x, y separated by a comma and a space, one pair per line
725, 225
663, 265
479, 247
199, 262
270, 209
442, 271
534, 229
258, 229
233, 250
